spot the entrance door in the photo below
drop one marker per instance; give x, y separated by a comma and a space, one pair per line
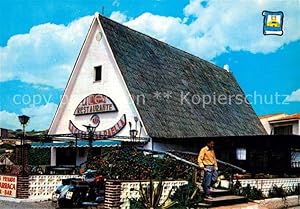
65, 156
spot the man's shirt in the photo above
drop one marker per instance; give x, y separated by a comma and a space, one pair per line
207, 157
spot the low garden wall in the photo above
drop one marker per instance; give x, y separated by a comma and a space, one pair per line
41, 187
266, 184
118, 193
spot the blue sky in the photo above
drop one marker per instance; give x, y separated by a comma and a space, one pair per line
40, 40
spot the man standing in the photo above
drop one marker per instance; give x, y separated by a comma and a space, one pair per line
208, 164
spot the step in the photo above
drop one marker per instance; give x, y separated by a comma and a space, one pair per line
219, 192
226, 200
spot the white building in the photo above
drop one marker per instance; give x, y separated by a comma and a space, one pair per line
125, 84
281, 124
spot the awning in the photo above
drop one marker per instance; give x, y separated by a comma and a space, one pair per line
80, 143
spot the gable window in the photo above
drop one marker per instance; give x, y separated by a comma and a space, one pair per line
98, 73
283, 130
241, 154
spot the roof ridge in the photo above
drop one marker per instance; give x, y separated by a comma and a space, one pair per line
155, 39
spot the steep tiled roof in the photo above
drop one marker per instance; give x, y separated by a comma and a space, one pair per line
150, 66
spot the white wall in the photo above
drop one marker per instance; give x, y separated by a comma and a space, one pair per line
82, 84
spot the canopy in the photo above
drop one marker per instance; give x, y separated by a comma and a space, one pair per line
80, 143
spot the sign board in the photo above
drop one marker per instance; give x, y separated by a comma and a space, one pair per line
95, 103
100, 134
8, 186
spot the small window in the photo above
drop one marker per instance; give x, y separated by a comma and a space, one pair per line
295, 158
98, 72
241, 154
283, 130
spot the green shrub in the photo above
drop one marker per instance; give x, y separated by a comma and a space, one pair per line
39, 157
276, 191
151, 197
187, 196
116, 163
252, 193
294, 190
237, 188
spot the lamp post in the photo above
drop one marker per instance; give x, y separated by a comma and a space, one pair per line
133, 132
91, 130
23, 120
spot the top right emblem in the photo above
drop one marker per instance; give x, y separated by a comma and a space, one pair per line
273, 23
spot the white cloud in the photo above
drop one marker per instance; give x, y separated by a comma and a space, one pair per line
168, 29
45, 55
40, 117
118, 16
9, 120
210, 29
294, 97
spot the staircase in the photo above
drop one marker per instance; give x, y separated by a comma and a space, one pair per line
224, 197
221, 197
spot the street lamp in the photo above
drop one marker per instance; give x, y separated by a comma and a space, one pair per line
90, 130
133, 132
23, 120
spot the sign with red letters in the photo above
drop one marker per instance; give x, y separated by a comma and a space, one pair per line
8, 186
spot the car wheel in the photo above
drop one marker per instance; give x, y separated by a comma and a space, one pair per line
76, 200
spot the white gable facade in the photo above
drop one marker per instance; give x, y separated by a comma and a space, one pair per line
95, 52
82, 84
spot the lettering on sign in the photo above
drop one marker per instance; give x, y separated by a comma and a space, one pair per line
8, 186
95, 103
100, 134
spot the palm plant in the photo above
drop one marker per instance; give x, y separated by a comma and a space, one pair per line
151, 197
187, 196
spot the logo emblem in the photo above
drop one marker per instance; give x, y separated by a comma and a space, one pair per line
273, 23
95, 119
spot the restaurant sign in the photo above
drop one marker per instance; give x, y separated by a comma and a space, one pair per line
99, 134
8, 186
95, 103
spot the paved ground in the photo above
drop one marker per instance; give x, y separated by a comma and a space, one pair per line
241, 206
26, 205
31, 205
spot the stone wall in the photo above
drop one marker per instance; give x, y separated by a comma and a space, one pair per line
112, 194
266, 184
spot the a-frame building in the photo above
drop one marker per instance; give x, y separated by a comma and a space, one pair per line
124, 80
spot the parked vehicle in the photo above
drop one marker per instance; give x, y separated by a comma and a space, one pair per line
74, 192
